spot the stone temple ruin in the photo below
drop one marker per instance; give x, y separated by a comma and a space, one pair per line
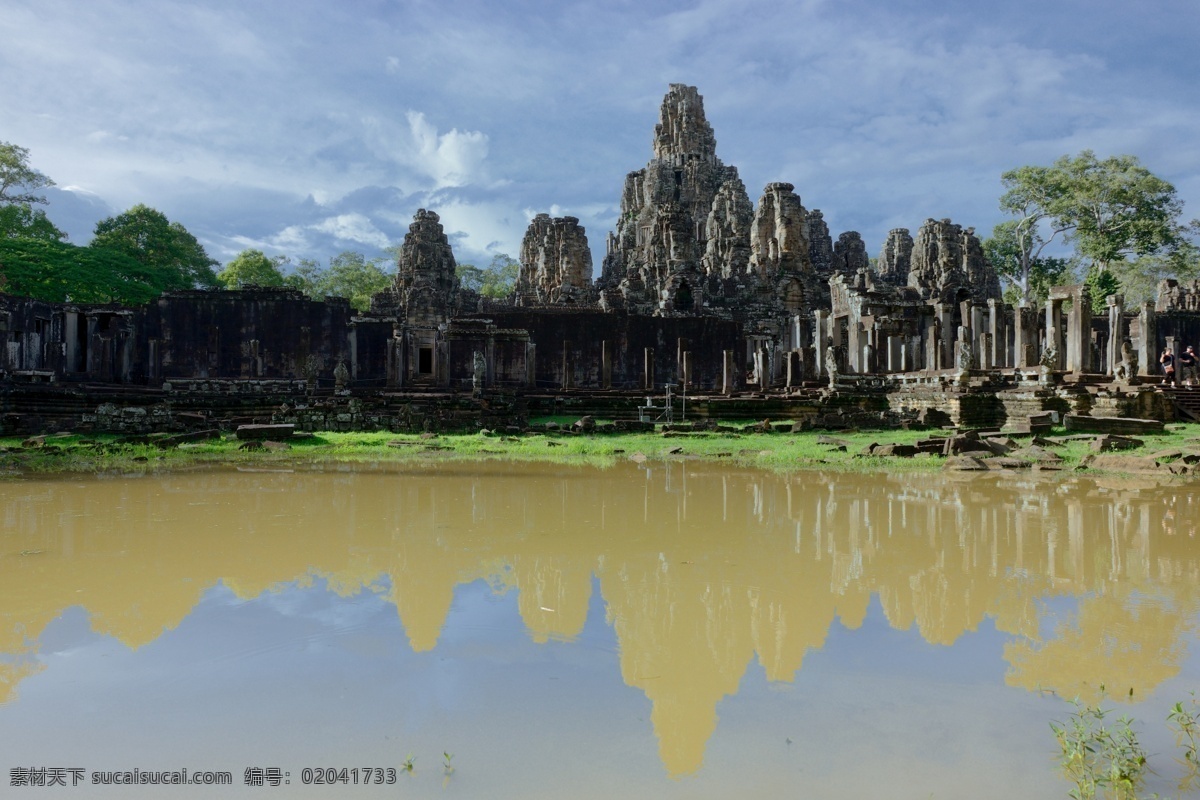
753, 310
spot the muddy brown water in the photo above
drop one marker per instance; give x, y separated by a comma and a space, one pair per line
677, 630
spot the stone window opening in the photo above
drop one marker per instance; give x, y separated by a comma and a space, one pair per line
684, 301
425, 361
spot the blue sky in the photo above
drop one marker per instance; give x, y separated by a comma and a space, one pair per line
307, 128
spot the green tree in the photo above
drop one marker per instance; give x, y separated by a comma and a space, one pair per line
496, 280
349, 274
500, 277
1117, 208
352, 276
166, 248
469, 277
19, 184
1100, 284
23, 221
253, 268
1018, 261
1140, 276
47, 269
306, 277
1110, 210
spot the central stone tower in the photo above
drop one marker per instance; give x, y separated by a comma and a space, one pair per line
653, 260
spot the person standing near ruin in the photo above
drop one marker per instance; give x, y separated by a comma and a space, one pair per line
1187, 367
1167, 359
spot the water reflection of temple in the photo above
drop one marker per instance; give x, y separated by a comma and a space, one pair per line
701, 569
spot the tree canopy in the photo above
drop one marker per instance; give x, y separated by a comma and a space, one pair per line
19, 184
1112, 211
1027, 274
253, 268
47, 269
23, 221
348, 275
165, 248
496, 280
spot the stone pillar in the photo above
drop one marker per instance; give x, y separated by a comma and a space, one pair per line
489, 358
530, 364
794, 369
567, 382
933, 346
995, 329
395, 358
984, 359
963, 348
71, 339
820, 333
895, 354
797, 332
1079, 332
152, 365
727, 375
1053, 328
1116, 332
945, 316
1147, 346
605, 365
442, 367
685, 369
854, 348
978, 323
1020, 334
648, 370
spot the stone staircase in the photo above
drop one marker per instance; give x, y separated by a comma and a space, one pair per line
1187, 401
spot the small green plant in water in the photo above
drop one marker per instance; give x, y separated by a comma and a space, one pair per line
1185, 722
446, 758
409, 763
1102, 759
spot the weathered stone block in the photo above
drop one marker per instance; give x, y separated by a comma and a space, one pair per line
1118, 425
275, 432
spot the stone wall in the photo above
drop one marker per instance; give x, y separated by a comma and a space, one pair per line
248, 333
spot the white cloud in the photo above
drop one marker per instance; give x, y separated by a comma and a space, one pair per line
227, 119
355, 228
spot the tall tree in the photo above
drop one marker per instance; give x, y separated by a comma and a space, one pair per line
349, 274
47, 269
23, 221
1032, 196
1110, 210
1016, 257
352, 276
1118, 208
166, 248
500, 276
252, 268
19, 184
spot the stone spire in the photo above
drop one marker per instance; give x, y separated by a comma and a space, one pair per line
820, 243
682, 129
948, 263
665, 208
556, 263
426, 285
850, 254
895, 260
778, 240
727, 252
